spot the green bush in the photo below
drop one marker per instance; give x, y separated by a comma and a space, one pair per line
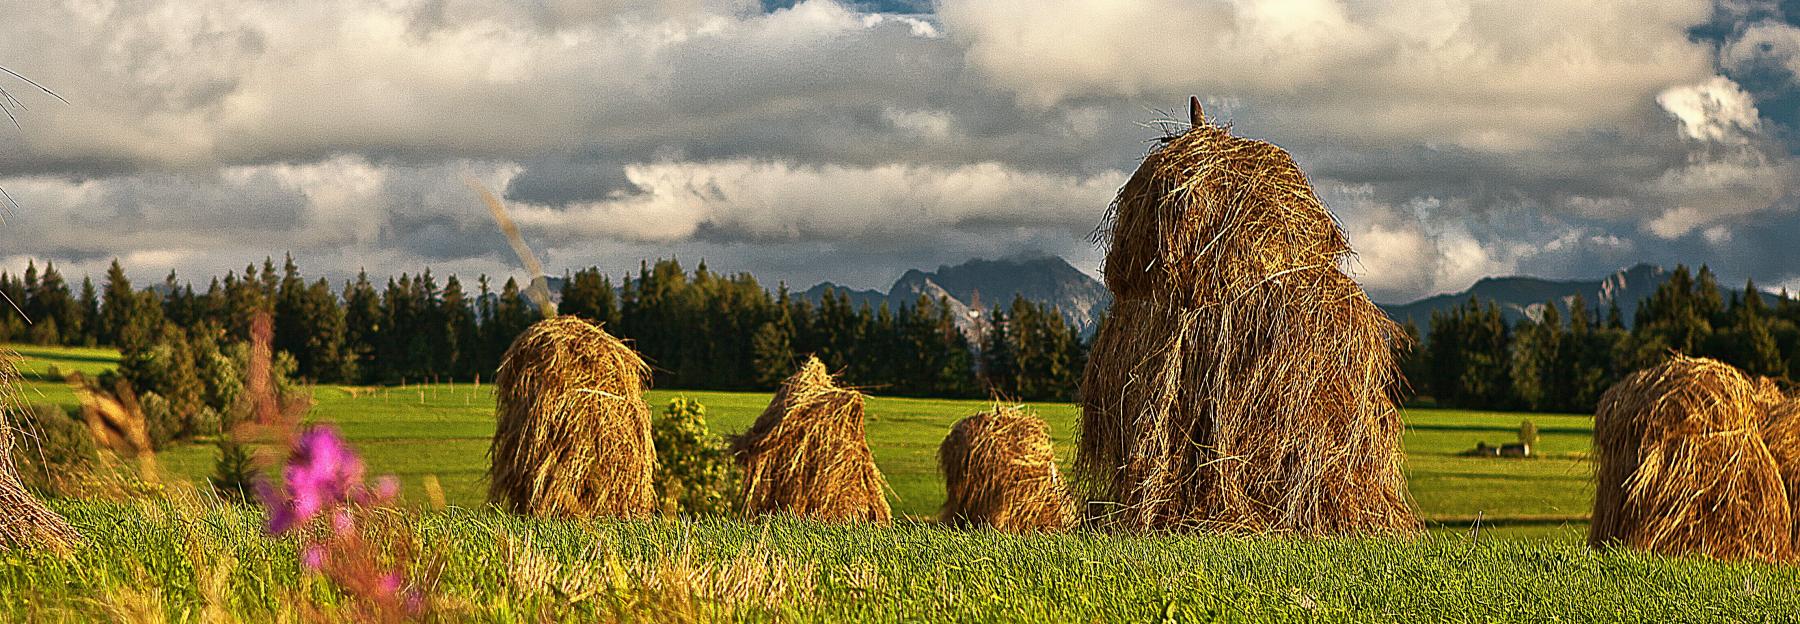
695, 474
50, 443
234, 473
1528, 434
160, 419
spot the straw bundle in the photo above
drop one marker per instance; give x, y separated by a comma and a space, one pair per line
807, 454
1781, 434
1683, 467
24, 521
1242, 382
573, 431
1000, 471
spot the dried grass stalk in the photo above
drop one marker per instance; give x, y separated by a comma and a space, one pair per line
1683, 467
808, 454
1000, 471
573, 431
24, 521
1242, 382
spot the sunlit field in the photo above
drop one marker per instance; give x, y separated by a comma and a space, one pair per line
181, 557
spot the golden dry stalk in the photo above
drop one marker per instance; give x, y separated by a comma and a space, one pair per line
1242, 381
1000, 471
808, 454
1683, 468
24, 521
572, 437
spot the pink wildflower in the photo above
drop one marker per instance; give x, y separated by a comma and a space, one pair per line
321, 472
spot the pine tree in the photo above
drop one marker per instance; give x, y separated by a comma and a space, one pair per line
461, 335
999, 363
115, 309
362, 329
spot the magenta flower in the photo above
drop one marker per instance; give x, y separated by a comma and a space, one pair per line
321, 472
313, 556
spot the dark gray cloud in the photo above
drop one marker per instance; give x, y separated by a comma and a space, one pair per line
849, 141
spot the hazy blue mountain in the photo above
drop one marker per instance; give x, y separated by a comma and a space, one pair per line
1524, 297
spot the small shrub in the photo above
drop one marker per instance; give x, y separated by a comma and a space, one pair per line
160, 419
1528, 434
53, 445
694, 472
51, 372
234, 473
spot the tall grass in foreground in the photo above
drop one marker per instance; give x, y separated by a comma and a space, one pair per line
192, 559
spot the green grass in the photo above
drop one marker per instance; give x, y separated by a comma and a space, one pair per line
177, 561
444, 430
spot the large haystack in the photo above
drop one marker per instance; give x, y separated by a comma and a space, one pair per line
1000, 471
1781, 435
573, 431
24, 521
808, 454
1242, 381
1683, 467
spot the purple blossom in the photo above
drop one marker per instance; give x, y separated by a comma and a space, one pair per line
321, 472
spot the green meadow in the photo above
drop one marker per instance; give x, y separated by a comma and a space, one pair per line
1528, 564
443, 430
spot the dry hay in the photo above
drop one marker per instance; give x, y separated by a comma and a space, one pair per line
116, 421
24, 521
1000, 471
1242, 382
1683, 467
808, 455
573, 431
1781, 435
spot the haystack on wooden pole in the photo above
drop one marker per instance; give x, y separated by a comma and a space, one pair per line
1000, 471
1242, 381
1683, 468
24, 521
808, 454
573, 431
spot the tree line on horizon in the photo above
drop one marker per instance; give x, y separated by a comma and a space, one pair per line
697, 329
1566, 357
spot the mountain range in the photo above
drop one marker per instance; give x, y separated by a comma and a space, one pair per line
973, 287
1524, 297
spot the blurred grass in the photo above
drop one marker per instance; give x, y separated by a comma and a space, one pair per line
164, 560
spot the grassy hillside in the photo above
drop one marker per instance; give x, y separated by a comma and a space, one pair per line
444, 430
153, 560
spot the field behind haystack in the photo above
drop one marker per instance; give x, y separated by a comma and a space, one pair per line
183, 560
444, 430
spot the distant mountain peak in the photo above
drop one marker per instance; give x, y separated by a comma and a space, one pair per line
1522, 296
978, 284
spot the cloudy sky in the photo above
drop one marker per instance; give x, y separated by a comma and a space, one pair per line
850, 140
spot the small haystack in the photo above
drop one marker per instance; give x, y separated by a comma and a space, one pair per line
24, 521
1242, 381
1683, 468
573, 431
808, 455
1000, 471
